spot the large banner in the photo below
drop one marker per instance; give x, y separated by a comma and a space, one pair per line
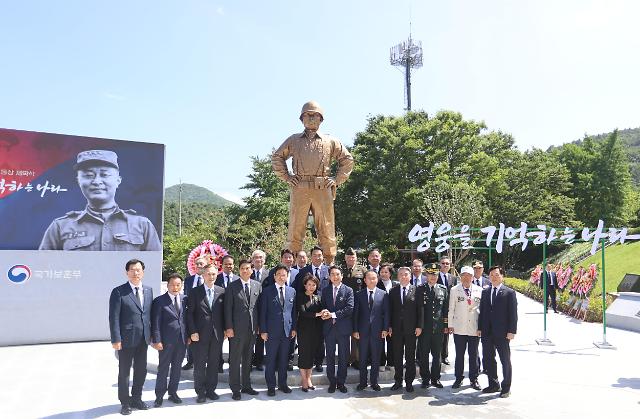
73, 210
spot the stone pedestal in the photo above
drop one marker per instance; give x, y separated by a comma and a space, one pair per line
624, 312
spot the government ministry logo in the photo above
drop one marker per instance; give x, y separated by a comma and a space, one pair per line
19, 274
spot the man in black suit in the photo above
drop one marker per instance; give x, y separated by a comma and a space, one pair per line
497, 325
448, 280
277, 329
130, 327
286, 259
241, 323
337, 313
260, 273
406, 326
190, 282
226, 276
549, 275
374, 258
205, 325
370, 324
169, 337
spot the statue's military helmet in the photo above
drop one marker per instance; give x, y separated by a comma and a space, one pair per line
312, 106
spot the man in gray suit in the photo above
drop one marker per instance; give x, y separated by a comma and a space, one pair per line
130, 327
241, 323
448, 280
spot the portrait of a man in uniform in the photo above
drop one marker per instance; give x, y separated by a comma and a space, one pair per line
102, 224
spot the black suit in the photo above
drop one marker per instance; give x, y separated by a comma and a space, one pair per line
188, 286
258, 353
168, 326
220, 279
130, 324
208, 322
495, 321
241, 315
552, 284
405, 318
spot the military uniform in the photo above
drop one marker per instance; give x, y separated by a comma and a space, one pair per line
436, 307
311, 166
87, 230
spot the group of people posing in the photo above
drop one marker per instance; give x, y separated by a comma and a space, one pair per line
359, 312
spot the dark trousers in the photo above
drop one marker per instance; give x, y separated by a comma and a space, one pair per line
551, 293
258, 352
320, 352
404, 346
386, 355
445, 346
205, 365
189, 355
370, 346
464, 343
491, 344
240, 351
430, 343
137, 356
277, 356
354, 355
332, 339
170, 356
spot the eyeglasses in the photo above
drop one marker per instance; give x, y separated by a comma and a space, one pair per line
445, 263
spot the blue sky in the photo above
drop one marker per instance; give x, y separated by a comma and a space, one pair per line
220, 81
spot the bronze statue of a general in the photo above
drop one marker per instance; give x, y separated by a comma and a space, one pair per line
311, 186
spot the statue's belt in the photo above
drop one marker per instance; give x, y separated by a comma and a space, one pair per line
313, 182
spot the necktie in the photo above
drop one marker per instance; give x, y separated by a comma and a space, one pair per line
258, 276
335, 292
370, 299
317, 274
444, 279
228, 280
176, 304
404, 294
432, 293
209, 296
246, 291
281, 296
138, 297
199, 280
493, 298
467, 291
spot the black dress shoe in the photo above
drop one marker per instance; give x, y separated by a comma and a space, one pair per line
436, 383
332, 388
342, 388
312, 387
446, 361
174, 398
158, 402
285, 389
271, 392
236, 395
125, 410
213, 395
201, 398
355, 365
319, 368
290, 367
250, 391
505, 394
457, 383
139, 404
188, 366
409, 388
259, 368
361, 387
424, 384
305, 389
475, 385
491, 389
220, 370
375, 387
396, 386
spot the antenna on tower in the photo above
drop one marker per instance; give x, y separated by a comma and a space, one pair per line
407, 55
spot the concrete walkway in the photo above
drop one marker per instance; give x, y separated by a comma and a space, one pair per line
572, 379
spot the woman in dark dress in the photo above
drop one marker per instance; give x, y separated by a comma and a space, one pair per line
309, 328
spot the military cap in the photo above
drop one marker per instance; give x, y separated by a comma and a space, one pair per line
350, 252
432, 268
91, 157
312, 106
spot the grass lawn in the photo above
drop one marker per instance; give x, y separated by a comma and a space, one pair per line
619, 260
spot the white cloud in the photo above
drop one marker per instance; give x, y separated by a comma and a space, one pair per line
231, 197
220, 11
114, 96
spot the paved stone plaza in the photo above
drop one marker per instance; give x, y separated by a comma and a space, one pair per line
572, 379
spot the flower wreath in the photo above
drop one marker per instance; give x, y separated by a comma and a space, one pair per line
207, 247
